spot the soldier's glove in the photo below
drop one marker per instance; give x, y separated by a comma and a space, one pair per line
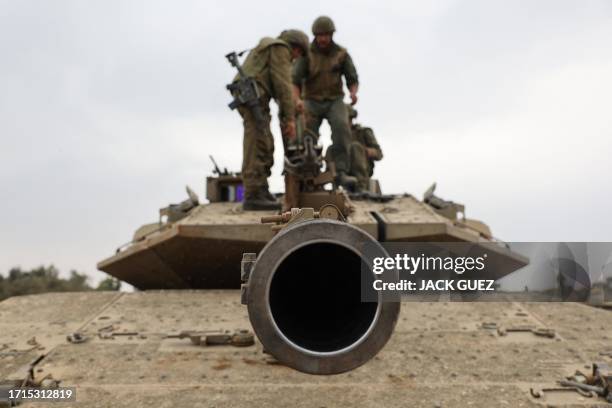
299, 106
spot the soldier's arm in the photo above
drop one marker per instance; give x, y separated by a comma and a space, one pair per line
280, 77
350, 76
297, 99
350, 72
372, 144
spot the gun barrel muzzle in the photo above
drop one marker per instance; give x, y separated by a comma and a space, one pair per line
304, 298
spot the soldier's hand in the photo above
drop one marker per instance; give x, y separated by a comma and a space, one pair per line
299, 105
288, 130
353, 97
371, 152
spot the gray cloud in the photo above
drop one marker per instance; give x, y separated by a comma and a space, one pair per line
109, 108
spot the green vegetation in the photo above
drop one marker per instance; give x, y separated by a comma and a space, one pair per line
109, 284
46, 279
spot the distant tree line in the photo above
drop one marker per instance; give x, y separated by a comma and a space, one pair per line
46, 279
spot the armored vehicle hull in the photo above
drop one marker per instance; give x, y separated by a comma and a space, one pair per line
203, 249
440, 355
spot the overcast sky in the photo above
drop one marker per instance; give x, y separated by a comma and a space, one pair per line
109, 108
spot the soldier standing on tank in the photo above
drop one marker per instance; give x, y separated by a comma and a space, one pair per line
365, 150
318, 77
269, 63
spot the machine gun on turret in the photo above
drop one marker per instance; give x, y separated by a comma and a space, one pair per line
225, 185
216, 169
305, 179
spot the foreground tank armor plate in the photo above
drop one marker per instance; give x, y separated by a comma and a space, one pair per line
440, 354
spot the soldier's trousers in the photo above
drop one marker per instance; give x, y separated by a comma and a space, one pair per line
257, 150
361, 167
337, 116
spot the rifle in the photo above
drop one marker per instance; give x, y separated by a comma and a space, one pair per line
245, 90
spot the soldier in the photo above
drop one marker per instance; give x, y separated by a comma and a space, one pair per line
269, 63
319, 77
364, 149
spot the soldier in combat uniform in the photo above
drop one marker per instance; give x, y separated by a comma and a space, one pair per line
365, 150
269, 63
319, 78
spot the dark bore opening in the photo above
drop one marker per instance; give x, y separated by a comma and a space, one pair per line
315, 298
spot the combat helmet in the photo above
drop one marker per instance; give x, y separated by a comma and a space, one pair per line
296, 38
323, 25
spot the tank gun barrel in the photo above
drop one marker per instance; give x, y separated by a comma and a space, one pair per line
304, 297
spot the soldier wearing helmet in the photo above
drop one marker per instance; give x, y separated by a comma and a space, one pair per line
269, 63
318, 78
364, 149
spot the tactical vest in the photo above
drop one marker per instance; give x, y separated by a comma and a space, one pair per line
324, 81
257, 63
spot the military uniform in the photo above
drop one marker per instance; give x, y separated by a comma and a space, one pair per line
270, 64
320, 77
362, 166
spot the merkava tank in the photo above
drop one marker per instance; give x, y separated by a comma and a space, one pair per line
294, 270
197, 245
313, 248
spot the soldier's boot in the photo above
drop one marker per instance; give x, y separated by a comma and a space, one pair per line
266, 193
348, 182
259, 201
